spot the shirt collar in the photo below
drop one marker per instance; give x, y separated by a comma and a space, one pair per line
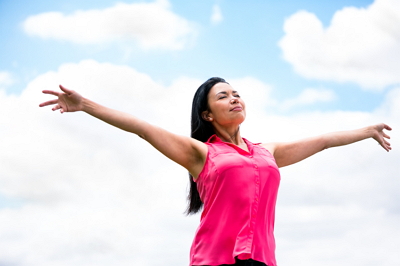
215, 139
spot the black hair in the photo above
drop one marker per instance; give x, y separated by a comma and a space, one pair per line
201, 130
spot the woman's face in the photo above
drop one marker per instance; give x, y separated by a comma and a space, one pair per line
225, 106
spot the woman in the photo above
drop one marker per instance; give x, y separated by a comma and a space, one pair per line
236, 180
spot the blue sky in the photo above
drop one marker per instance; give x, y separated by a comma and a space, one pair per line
75, 191
243, 44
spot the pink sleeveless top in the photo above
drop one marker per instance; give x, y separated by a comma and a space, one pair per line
239, 191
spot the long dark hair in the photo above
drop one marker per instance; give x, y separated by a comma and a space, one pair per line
201, 130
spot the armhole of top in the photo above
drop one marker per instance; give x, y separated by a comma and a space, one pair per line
259, 145
205, 163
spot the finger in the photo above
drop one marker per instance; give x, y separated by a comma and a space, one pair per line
55, 93
56, 107
67, 91
48, 103
387, 127
386, 136
385, 147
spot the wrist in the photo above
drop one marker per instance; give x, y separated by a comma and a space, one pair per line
87, 105
369, 131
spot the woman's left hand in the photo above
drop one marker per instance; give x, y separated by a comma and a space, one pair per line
380, 136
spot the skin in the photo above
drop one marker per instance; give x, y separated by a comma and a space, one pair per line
226, 112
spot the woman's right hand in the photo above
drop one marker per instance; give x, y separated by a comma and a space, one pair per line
67, 100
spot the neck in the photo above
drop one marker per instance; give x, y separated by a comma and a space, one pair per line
231, 135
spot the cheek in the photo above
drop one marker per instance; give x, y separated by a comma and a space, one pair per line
217, 109
242, 103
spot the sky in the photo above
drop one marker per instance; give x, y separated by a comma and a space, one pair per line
75, 191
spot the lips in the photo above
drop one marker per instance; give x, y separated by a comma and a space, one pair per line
237, 108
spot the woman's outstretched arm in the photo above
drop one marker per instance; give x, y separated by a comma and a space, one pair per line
186, 151
287, 153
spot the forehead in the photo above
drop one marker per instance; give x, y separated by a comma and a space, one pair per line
220, 87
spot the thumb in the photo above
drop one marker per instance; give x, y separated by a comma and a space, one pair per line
67, 91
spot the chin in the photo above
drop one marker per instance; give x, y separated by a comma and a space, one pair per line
240, 121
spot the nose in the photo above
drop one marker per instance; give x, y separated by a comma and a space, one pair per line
234, 100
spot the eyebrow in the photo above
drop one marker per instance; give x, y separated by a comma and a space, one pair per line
224, 92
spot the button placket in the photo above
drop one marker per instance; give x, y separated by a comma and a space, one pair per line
255, 203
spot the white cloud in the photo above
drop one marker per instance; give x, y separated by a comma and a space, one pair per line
392, 105
5, 79
216, 16
360, 45
152, 25
94, 195
307, 97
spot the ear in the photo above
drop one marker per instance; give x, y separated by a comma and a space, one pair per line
206, 116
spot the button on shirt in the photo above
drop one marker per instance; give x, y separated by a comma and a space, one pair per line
239, 191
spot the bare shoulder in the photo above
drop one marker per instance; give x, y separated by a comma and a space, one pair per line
200, 147
271, 146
